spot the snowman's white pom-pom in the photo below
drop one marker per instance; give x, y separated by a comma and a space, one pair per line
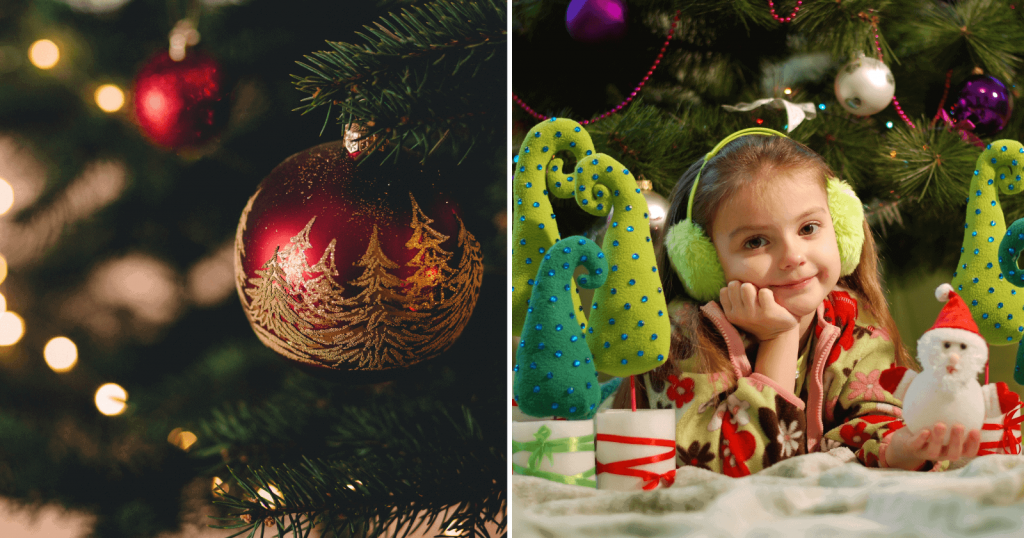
942, 292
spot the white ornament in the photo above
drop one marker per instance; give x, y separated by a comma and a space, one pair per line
865, 86
947, 390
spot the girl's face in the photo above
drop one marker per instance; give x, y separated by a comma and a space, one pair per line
778, 234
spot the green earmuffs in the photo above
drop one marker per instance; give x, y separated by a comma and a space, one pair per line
695, 259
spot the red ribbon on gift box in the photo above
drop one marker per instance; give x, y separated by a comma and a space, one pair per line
1008, 443
625, 467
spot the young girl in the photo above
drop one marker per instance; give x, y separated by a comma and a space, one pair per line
793, 357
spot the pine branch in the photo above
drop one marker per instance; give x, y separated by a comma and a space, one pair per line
984, 32
844, 28
845, 142
931, 166
660, 145
747, 12
428, 75
423, 463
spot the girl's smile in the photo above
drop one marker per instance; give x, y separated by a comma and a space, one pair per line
777, 233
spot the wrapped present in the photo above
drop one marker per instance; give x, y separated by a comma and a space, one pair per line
1000, 434
557, 450
636, 449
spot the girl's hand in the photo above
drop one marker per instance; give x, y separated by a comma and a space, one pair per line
755, 311
909, 450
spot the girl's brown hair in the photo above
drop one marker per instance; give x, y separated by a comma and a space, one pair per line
740, 163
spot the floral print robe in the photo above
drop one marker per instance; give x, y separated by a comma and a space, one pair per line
842, 401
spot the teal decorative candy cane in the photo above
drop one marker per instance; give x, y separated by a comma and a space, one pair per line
555, 372
987, 274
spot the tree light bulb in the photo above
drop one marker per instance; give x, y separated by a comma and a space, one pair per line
111, 399
12, 328
109, 98
44, 54
6, 200
61, 354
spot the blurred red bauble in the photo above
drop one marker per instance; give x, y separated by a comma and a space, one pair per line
356, 271
180, 104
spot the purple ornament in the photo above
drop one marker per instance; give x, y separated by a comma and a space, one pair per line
596, 21
983, 105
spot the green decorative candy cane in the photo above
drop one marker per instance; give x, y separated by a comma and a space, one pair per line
629, 326
534, 229
987, 276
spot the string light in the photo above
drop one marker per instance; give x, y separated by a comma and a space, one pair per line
6, 196
44, 54
61, 354
182, 439
787, 91
109, 98
12, 328
111, 399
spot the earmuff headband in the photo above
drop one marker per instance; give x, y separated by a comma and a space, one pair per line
714, 151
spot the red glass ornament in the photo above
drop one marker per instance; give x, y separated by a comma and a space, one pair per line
180, 104
359, 271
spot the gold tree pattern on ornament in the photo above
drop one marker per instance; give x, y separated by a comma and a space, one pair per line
464, 286
300, 310
271, 305
431, 261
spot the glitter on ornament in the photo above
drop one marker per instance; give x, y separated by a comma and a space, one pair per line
339, 275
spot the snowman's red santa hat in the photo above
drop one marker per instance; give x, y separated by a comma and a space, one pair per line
955, 321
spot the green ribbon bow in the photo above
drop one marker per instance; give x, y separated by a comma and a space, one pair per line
541, 447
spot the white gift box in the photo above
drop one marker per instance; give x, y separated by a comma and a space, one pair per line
635, 449
558, 450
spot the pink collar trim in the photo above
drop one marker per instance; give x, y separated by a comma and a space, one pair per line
815, 390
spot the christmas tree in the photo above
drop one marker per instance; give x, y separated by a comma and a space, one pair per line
891, 94
132, 135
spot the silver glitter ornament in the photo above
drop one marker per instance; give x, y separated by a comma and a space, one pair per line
865, 86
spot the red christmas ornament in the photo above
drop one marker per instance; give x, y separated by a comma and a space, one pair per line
180, 104
361, 271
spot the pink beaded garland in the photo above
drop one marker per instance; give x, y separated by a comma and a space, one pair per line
632, 95
771, 5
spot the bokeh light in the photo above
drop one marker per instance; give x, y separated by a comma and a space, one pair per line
266, 496
3, 303
219, 487
111, 399
109, 98
12, 328
44, 54
3, 268
6, 196
61, 354
182, 439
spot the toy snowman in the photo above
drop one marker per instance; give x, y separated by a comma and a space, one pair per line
952, 354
